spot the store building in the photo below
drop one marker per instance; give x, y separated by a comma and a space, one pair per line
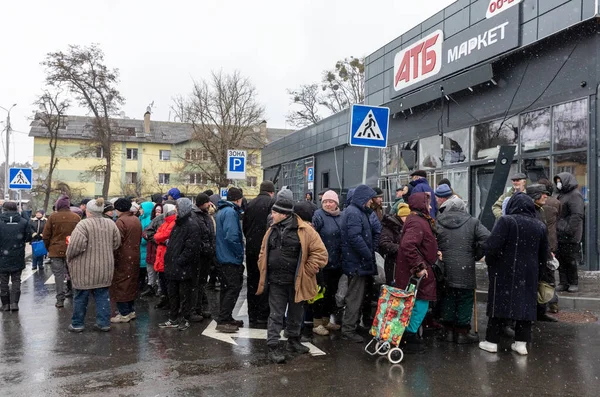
474, 79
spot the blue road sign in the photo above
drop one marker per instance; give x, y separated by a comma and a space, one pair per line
310, 174
369, 126
20, 178
224, 193
236, 164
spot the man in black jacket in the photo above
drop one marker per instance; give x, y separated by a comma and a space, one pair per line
181, 263
254, 227
206, 261
14, 233
569, 230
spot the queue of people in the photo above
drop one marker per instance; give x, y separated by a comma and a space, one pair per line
306, 262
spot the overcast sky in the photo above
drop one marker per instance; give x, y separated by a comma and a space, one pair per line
160, 46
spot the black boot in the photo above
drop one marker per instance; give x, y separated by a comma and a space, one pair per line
5, 304
412, 344
163, 303
149, 291
276, 356
294, 345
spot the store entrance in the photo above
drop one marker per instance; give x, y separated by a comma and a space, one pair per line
481, 182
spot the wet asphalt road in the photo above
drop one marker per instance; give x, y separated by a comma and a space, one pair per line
39, 357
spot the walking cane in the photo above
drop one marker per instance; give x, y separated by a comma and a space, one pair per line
475, 310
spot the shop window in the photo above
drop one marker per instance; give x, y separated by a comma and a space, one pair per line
575, 164
488, 137
536, 169
429, 153
456, 146
459, 179
407, 156
535, 131
389, 160
570, 126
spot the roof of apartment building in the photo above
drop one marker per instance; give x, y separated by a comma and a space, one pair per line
132, 130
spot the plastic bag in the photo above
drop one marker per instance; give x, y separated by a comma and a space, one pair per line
340, 295
38, 248
379, 278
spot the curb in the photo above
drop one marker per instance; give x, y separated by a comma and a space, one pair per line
564, 302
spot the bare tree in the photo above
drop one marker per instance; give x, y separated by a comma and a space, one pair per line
340, 87
52, 109
224, 113
93, 84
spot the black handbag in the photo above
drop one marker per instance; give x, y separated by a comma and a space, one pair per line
439, 270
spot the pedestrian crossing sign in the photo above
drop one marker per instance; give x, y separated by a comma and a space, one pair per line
369, 126
20, 178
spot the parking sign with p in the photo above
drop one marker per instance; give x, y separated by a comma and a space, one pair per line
236, 164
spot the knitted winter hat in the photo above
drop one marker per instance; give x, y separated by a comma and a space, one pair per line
234, 194
96, 206
267, 186
168, 208
285, 193
443, 191
305, 210
107, 208
202, 199
331, 195
283, 206
122, 205
175, 193
403, 210
62, 203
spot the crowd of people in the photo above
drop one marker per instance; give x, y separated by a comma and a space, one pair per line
305, 262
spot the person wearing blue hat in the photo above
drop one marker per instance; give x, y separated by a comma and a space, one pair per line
442, 194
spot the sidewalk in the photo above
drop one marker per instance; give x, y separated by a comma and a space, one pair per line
588, 297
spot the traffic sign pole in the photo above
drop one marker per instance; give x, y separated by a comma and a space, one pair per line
365, 163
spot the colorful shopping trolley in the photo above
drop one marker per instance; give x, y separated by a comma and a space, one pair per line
394, 308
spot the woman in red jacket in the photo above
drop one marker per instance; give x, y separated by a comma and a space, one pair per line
161, 238
417, 253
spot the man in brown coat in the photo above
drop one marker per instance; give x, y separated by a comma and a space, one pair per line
124, 287
60, 225
293, 253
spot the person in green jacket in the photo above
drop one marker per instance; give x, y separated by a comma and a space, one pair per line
400, 192
519, 182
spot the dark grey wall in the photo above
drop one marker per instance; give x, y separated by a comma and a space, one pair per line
539, 19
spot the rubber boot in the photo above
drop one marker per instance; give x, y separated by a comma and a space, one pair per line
411, 344
5, 303
14, 300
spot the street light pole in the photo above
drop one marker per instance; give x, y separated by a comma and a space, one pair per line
6, 165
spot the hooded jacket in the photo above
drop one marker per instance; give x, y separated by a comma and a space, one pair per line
147, 206
255, 222
181, 256
230, 240
313, 256
389, 244
422, 186
418, 249
569, 227
161, 237
459, 235
206, 224
328, 227
59, 226
358, 249
516, 250
14, 233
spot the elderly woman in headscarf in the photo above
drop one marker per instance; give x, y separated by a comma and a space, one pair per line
515, 252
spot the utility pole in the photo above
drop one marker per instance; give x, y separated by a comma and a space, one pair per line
6, 165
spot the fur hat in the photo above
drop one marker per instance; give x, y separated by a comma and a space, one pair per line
403, 210
122, 205
96, 206
331, 195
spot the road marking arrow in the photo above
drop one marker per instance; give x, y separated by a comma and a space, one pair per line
249, 333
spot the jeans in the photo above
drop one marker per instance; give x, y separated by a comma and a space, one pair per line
258, 305
13, 294
59, 269
354, 300
495, 325
232, 279
37, 261
567, 255
152, 275
418, 315
125, 308
80, 303
180, 299
280, 298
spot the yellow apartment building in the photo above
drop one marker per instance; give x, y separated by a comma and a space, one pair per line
148, 157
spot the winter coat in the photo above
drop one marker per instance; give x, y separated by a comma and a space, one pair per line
230, 240
37, 228
552, 213
161, 237
207, 242
459, 235
358, 245
124, 287
328, 227
394, 210
14, 233
90, 254
389, 244
515, 251
148, 234
312, 258
183, 250
59, 226
572, 211
147, 206
422, 186
497, 206
376, 229
418, 249
255, 222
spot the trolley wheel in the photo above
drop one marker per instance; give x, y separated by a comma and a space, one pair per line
395, 355
382, 348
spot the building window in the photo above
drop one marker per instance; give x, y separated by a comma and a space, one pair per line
132, 154
456, 146
198, 179
165, 155
576, 165
196, 155
252, 159
570, 125
99, 176
164, 179
131, 177
251, 181
488, 137
536, 169
430, 153
62, 122
407, 156
325, 180
99, 152
535, 131
389, 160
